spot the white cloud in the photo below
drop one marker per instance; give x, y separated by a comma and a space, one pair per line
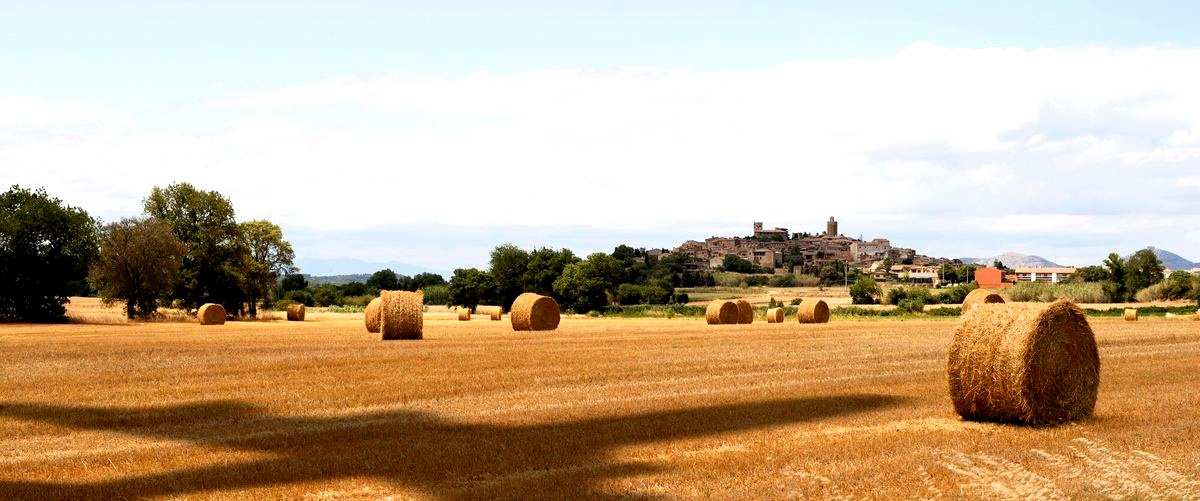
929, 131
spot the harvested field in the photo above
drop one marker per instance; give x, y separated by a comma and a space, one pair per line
598, 407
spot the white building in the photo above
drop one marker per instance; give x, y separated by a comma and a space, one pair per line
1051, 275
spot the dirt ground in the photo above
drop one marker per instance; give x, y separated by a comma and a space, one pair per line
598, 408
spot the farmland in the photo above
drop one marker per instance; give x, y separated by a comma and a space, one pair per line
600, 407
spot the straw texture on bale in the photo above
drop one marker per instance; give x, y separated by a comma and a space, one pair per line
1131, 314
1034, 364
721, 311
774, 315
493, 312
534, 312
401, 314
464, 314
745, 312
980, 296
812, 311
371, 315
211, 314
295, 312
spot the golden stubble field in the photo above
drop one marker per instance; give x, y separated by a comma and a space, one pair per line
598, 408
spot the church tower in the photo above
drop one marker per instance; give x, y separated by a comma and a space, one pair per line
831, 227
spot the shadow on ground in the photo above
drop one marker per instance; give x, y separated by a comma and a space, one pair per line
409, 449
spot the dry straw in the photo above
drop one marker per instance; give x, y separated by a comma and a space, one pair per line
774, 315
1034, 364
1131, 314
493, 312
721, 311
980, 296
464, 314
534, 312
371, 315
295, 312
812, 311
211, 314
401, 314
745, 312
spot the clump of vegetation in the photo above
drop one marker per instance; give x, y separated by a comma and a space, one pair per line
1178, 285
1047, 292
864, 291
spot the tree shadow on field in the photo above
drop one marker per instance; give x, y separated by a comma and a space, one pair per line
411, 449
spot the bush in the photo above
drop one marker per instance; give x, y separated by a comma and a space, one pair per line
955, 294
642, 294
681, 298
729, 279
437, 294
1046, 292
787, 280
804, 280
897, 295
796, 302
360, 301
757, 280
915, 304
864, 290
283, 304
301, 296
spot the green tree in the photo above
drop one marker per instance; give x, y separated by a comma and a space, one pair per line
509, 264
1179, 285
470, 287
864, 291
267, 257
1115, 287
138, 263
1142, 270
384, 280
1091, 274
737, 264
204, 222
292, 282
588, 284
545, 266
422, 281
45, 250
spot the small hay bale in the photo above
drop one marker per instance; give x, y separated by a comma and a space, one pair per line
980, 296
745, 312
401, 314
534, 312
211, 314
371, 315
493, 312
1033, 364
295, 312
774, 315
1131, 314
812, 311
721, 311
464, 314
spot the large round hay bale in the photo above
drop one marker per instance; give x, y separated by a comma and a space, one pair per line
1131, 314
211, 314
295, 312
534, 312
401, 314
812, 311
980, 296
774, 315
721, 311
745, 312
1034, 364
371, 315
464, 314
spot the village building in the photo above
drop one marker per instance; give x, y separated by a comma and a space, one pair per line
1050, 275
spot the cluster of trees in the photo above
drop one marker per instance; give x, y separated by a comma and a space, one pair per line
1123, 278
627, 276
296, 288
186, 250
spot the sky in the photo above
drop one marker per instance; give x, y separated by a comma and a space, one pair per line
422, 135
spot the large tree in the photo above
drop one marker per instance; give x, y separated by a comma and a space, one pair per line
138, 263
45, 250
545, 266
204, 222
1115, 285
470, 287
267, 257
509, 264
589, 284
1142, 270
384, 280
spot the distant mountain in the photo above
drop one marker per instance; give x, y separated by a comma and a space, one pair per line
337, 267
1013, 260
1172, 261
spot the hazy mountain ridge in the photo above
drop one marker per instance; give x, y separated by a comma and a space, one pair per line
1172, 261
1013, 260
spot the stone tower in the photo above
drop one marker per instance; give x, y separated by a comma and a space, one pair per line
831, 227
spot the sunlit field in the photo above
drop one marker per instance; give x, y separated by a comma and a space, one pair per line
600, 407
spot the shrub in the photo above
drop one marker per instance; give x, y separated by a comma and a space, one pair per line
1047, 292
955, 294
787, 280
796, 301
756, 280
864, 290
804, 280
357, 301
915, 304
729, 279
681, 298
301, 296
437, 294
896, 295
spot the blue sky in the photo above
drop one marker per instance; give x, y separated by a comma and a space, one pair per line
425, 134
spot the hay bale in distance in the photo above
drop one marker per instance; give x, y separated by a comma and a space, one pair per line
774, 315
401, 314
493, 312
1131, 314
295, 312
721, 311
1034, 364
211, 314
980, 296
464, 314
745, 312
812, 311
534, 312
371, 316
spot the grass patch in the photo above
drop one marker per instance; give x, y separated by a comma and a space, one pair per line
1145, 311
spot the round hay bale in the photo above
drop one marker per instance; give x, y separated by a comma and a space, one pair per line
812, 311
534, 312
1034, 364
493, 312
721, 311
774, 315
401, 314
1131, 314
464, 314
745, 312
980, 296
295, 312
371, 315
211, 314
496, 314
